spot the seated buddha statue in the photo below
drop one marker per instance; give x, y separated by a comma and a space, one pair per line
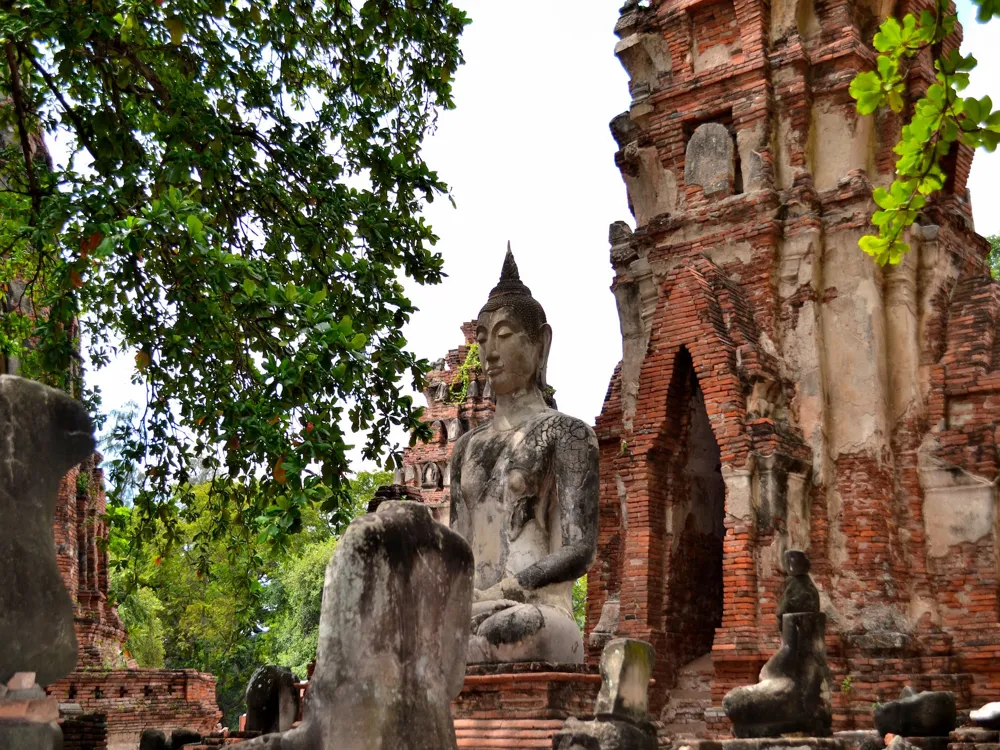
524, 492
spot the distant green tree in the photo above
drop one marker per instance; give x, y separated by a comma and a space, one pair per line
140, 611
580, 601
184, 608
994, 256
294, 597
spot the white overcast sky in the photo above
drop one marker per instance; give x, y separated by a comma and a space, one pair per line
530, 159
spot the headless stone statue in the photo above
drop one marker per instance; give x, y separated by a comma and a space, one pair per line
272, 700
392, 633
524, 492
46, 433
793, 694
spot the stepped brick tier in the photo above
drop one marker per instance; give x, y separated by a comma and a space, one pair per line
85, 732
777, 743
521, 705
105, 680
426, 466
974, 738
777, 388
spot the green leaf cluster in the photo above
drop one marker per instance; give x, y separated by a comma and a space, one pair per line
467, 372
243, 193
939, 119
580, 601
993, 260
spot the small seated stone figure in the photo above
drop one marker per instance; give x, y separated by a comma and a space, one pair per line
925, 714
46, 433
524, 492
801, 594
793, 694
272, 700
393, 627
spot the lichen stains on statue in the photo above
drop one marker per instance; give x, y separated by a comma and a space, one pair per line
524, 492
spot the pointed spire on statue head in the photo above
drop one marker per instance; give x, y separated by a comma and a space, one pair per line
511, 292
510, 280
509, 270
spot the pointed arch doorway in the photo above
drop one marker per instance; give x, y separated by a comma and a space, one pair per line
695, 495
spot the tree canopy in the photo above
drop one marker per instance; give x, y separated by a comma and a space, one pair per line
937, 118
240, 190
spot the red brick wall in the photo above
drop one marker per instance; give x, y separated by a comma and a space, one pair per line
138, 699
85, 732
819, 444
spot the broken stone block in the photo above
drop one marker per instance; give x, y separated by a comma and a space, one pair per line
710, 159
21, 681
626, 666
623, 129
397, 602
47, 433
987, 717
604, 735
272, 700
793, 694
29, 735
926, 714
621, 708
154, 739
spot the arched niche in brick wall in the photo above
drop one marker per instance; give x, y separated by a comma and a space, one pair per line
688, 433
711, 493
688, 464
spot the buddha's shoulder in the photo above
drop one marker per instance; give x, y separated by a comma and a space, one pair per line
556, 425
467, 437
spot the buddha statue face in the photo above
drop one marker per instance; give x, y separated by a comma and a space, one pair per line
513, 336
511, 357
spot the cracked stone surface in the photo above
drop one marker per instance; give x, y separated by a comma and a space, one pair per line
28, 735
45, 433
626, 666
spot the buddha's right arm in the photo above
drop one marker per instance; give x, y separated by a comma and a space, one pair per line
460, 518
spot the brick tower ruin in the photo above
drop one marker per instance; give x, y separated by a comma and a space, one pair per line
778, 389
454, 407
118, 700
106, 681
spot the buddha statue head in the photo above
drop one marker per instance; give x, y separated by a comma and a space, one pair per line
513, 336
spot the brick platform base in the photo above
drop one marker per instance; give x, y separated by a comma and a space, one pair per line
769, 743
521, 705
973, 738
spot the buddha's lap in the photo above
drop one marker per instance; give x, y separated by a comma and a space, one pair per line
521, 621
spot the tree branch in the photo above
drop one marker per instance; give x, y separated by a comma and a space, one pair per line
77, 122
22, 125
